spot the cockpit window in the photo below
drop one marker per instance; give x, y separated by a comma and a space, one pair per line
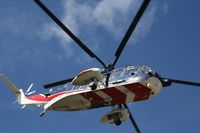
123, 73
146, 70
116, 76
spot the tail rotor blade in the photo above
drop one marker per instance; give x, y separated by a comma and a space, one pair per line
23, 106
29, 88
30, 93
14, 101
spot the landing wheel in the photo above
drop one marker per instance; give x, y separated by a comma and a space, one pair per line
42, 113
93, 86
118, 122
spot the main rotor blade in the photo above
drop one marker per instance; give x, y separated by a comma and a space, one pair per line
130, 30
181, 82
132, 119
58, 83
62, 26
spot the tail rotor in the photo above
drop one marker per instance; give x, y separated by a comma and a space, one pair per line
28, 92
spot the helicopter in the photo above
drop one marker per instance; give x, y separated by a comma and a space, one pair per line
99, 87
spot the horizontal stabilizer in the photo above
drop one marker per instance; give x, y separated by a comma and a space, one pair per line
12, 87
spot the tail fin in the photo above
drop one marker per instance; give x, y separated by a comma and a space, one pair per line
12, 87
21, 96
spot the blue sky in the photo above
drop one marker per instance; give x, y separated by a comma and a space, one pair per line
34, 50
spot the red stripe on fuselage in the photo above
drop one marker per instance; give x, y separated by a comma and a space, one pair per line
141, 92
117, 96
42, 97
93, 98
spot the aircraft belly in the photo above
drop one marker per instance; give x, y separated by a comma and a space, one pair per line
124, 93
68, 103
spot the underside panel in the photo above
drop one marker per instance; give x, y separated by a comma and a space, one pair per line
68, 103
88, 99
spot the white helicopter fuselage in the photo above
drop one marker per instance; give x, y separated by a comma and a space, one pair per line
83, 99
126, 85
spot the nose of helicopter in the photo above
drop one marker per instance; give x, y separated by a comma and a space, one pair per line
154, 84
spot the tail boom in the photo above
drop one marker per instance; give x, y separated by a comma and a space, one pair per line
21, 97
